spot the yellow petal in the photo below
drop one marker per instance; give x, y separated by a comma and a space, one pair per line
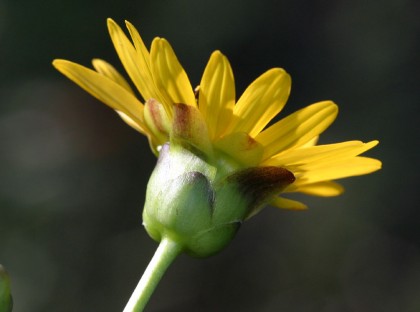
104, 89
142, 51
261, 102
217, 94
338, 170
312, 142
169, 75
135, 65
298, 128
241, 147
285, 203
320, 154
327, 188
131, 122
109, 71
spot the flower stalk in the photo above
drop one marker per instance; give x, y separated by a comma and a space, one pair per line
165, 254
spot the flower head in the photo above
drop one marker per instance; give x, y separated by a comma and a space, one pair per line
225, 142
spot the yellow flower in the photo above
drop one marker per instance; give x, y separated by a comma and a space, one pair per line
211, 121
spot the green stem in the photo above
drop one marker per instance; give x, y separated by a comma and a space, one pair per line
166, 253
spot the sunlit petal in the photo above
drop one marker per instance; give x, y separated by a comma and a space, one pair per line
321, 153
143, 52
298, 128
134, 65
261, 101
109, 71
338, 170
311, 142
285, 203
169, 75
104, 89
129, 121
217, 94
325, 189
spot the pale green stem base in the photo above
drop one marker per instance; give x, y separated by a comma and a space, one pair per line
163, 257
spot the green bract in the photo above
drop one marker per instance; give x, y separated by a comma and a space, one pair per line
201, 205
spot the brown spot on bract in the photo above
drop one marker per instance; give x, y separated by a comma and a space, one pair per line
182, 120
251, 143
260, 183
155, 112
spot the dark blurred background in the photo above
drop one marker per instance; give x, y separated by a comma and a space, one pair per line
73, 175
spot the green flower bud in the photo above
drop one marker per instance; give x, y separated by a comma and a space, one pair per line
6, 302
201, 205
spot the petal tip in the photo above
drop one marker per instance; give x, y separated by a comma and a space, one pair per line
96, 61
217, 53
128, 24
112, 25
59, 64
110, 21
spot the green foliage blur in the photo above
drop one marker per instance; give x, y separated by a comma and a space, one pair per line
6, 301
73, 176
